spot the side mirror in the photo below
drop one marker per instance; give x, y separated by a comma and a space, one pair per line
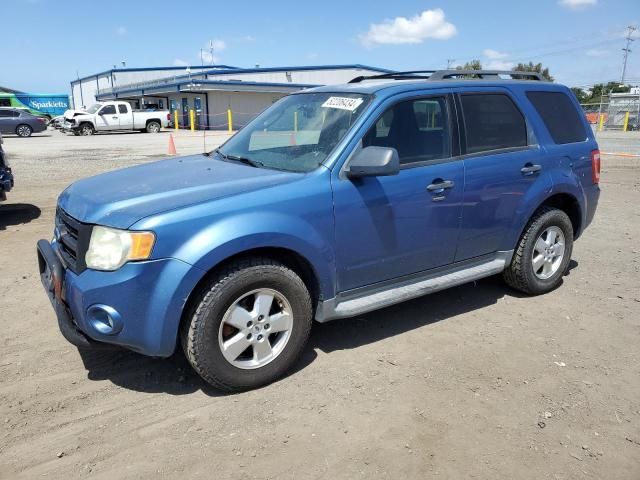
374, 162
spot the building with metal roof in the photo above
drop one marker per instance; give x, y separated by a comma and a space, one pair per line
210, 91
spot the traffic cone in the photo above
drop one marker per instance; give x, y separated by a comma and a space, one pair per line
172, 145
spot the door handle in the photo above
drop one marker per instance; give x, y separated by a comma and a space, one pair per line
439, 186
530, 169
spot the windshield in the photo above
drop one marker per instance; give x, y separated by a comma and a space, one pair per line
298, 132
94, 108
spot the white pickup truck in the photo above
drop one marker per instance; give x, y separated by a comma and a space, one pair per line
114, 116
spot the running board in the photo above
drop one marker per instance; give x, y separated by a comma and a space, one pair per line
380, 297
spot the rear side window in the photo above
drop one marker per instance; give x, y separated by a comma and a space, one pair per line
559, 115
122, 108
492, 122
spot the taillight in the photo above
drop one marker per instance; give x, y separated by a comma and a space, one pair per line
168, 116
595, 166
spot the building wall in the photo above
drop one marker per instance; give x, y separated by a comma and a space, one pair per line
214, 105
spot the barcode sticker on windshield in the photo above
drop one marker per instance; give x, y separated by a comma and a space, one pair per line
343, 103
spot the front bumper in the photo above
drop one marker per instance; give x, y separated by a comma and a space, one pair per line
146, 300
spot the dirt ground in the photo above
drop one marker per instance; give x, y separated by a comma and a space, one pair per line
474, 382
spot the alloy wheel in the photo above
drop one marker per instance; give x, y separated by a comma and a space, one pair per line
255, 329
548, 252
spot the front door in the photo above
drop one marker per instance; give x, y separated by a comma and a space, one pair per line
388, 227
185, 113
107, 118
197, 106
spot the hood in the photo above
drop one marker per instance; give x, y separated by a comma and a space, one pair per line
73, 113
121, 198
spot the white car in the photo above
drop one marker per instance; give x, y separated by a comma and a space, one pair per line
114, 116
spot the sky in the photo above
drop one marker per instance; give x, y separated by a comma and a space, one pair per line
48, 43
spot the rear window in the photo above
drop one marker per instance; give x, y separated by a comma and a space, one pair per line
559, 115
492, 122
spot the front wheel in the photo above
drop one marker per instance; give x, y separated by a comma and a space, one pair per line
86, 129
153, 127
543, 253
24, 130
249, 326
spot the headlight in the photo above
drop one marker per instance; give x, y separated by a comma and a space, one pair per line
110, 248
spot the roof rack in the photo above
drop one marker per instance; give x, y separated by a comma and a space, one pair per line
435, 75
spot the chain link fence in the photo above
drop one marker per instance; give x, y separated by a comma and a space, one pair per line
615, 112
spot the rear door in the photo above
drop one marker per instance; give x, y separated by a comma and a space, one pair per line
502, 162
125, 116
107, 118
389, 227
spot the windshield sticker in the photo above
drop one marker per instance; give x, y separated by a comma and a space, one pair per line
343, 103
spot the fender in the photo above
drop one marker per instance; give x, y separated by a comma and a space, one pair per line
555, 182
533, 198
231, 235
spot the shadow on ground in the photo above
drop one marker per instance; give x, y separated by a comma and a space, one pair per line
174, 375
17, 214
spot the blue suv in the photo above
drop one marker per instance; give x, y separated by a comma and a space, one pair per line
333, 202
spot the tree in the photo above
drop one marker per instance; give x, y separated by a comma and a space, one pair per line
580, 94
472, 65
600, 89
534, 67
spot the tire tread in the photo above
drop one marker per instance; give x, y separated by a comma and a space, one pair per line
211, 291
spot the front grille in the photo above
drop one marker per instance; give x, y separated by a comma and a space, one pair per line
73, 239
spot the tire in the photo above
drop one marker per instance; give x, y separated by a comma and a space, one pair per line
153, 127
23, 130
231, 297
537, 266
86, 130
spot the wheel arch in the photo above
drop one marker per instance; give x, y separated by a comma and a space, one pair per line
288, 257
568, 204
565, 201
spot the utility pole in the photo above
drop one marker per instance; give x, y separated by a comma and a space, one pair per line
627, 51
449, 62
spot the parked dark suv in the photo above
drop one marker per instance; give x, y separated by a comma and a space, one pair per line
6, 177
20, 122
333, 202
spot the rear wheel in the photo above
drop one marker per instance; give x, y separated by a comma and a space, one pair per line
24, 130
543, 253
153, 127
249, 326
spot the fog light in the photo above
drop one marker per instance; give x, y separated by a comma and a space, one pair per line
104, 319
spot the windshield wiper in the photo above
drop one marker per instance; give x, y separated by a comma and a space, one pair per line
245, 160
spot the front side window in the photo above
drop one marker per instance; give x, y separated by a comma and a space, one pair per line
417, 129
298, 132
108, 110
492, 122
94, 108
